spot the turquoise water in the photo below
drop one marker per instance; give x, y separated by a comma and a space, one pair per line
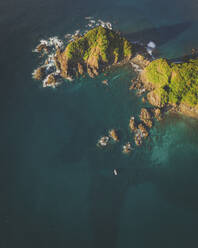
57, 187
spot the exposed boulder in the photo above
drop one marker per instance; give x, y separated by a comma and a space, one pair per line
157, 114
138, 138
143, 130
132, 124
39, 73
80, 68
42, 48
50, 81
114, 135
127, 148
145, 116
103, 141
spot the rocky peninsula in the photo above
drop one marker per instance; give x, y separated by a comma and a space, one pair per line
172, 86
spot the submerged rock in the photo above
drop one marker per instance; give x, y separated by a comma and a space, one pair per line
90, 72
105, 82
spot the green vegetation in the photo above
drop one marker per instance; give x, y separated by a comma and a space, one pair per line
105, 44
176, 83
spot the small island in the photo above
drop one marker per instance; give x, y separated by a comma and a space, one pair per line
89, 54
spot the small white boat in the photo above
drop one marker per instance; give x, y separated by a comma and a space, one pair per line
115, 172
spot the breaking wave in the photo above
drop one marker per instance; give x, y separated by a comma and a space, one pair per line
51, 44
150, 47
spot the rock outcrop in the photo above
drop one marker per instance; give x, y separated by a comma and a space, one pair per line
39, 73
146, 118
114, 135
132, 124
157, 113
93, 52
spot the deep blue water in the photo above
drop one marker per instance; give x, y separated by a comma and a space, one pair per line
57, 187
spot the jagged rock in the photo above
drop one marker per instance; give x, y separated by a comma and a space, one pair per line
42, 48
50, 81
113, 134
90, 73
39, 73
140, 134
132, 124
138, 138
143, 99
157, 114
95, 71
140, 61
80, 69
133, 85
143, 130
146, 117
126, 148
103, 141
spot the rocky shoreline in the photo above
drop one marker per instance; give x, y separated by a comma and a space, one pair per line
167, 86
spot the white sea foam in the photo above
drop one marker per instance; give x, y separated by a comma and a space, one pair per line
150, 47
88, 17
149, 51
53, 43
151, 44
77, 32
92, 21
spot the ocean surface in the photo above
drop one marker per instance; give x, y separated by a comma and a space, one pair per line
57, 188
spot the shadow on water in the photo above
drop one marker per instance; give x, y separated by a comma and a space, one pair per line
107, 205
160, 35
